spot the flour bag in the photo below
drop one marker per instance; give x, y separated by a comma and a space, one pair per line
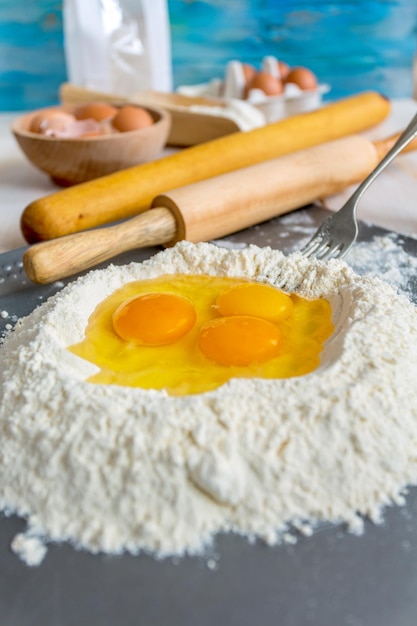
118, 46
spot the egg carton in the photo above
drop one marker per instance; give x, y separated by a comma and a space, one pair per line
293, 100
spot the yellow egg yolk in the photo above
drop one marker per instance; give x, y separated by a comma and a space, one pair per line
190, 334
154, 319
239, 340
255, 299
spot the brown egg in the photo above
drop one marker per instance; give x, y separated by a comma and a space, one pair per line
131, 118
304, 78
267, 83
50, 120
96, 111
249, 71
284, 69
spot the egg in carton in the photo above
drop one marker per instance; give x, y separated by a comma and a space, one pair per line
276, 90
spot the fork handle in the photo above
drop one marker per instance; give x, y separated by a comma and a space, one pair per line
383, 146
406, 137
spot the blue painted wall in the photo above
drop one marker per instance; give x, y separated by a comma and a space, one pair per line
32, 61
352, 45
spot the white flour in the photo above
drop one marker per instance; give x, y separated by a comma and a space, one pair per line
118, 469
386, 258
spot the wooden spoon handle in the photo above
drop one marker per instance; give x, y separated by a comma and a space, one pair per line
65, 256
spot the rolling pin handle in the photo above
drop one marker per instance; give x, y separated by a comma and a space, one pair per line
65, 256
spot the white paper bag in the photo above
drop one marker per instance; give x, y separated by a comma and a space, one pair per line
118, 46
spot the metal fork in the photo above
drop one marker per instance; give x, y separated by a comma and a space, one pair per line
338, 233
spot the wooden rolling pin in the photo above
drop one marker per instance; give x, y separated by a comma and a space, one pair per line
131, 191
214, 208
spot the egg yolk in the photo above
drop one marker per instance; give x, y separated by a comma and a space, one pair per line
190, 334
239, 340
154, 319
255, 299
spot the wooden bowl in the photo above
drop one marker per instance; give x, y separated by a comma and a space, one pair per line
69, 161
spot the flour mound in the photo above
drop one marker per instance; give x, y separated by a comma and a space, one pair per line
118, 469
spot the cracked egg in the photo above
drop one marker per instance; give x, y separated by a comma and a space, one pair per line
190, 334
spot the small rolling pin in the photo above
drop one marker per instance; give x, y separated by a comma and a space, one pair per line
126, 193
215, 208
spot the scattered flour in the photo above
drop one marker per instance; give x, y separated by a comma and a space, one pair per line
117, 469
385, 257
30, 549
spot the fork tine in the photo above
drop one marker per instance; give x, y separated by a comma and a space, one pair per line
321, 251
344, 249
311, 247
332, 251
319, 248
